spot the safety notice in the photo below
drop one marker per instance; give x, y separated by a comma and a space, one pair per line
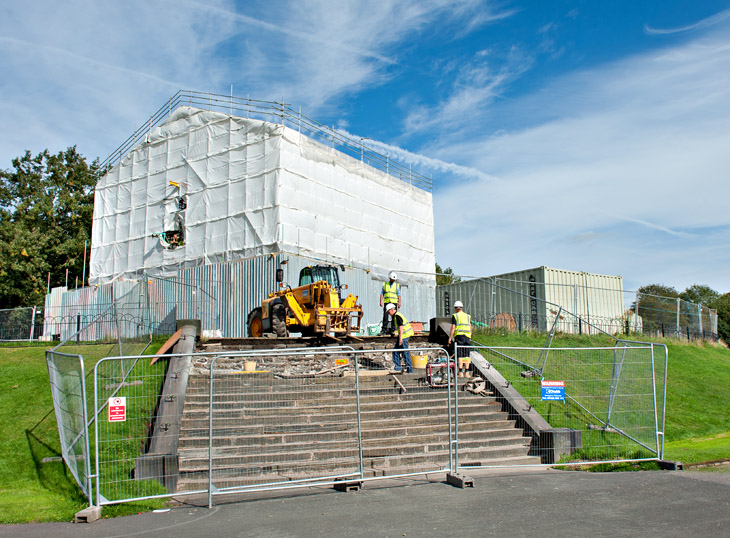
117, 409
552, 390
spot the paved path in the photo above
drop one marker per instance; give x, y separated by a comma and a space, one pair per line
509, 503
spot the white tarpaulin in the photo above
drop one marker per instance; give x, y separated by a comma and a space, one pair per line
207, 187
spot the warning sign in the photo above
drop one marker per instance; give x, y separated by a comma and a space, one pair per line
117, 409
552, 390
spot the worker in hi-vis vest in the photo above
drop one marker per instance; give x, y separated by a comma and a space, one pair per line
403, 331
461, 334
390, 294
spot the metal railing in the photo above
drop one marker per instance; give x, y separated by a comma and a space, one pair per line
523, 306
275, 112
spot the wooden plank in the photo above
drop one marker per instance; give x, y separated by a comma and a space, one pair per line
167, 345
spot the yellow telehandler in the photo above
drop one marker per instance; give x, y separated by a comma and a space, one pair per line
314, 308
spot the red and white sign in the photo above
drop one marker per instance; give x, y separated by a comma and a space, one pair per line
117, 409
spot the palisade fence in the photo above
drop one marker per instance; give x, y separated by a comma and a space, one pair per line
575, 309
210, 295
21, 324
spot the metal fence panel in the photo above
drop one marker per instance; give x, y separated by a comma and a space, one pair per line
126, 398
271, 428
68, 389
606, 404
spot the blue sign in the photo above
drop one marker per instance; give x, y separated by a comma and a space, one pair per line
552, 390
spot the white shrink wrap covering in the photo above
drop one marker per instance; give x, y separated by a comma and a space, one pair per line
251, 187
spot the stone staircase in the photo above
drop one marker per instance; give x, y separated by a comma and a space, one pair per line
268, 430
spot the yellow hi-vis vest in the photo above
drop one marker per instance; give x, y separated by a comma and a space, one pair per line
463, 324
407, 329
390, 293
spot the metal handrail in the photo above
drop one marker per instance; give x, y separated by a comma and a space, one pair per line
277, 112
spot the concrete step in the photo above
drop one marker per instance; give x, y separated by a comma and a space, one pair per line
323, 397
283, 409
346, 463
416, 442
367, 417
386, 428
483, 430
197, 481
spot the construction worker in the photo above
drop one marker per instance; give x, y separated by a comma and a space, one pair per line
461, 334
390, 294
404, 332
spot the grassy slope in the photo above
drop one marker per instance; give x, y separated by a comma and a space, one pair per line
30, 489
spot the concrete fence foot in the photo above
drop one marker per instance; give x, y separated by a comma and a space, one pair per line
459, 480
88, 515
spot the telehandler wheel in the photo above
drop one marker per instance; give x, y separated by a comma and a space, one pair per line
255, 325
278, 320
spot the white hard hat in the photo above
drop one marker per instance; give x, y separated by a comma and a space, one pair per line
389, 306
458, 304
393, 276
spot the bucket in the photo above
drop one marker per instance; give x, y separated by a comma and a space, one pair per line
249, 366
419, 361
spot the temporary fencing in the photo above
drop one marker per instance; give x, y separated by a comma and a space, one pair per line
580, 404
250, 429
68, 390
243, 421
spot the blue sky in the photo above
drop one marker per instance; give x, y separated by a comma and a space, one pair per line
582, 135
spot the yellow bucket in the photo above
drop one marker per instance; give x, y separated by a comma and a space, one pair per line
249, 366
419, 361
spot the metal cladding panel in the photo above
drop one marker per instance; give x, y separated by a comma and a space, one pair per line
519, 296
587, 295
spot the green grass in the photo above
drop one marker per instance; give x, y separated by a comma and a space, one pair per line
31, 489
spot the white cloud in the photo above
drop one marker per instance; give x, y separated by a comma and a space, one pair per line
631, 179
85, 72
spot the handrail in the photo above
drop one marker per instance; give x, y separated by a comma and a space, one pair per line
277, 112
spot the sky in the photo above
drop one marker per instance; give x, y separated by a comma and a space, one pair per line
580, 135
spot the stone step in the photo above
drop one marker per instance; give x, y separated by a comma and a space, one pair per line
265, 409
265, 384
343, 463
199, 481
193, 458
366, 417
482, 430
335, 396
402, 427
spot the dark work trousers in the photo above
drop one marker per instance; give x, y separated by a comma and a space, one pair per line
388, 324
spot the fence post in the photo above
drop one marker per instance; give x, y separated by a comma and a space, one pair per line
32, 325
678, 308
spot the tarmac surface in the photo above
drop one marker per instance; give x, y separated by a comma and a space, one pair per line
506, 502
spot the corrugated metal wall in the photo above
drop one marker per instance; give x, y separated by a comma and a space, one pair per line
220, 295
532, 299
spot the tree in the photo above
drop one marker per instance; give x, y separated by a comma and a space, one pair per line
700, 294
722, 304
46, 209
446, 276
657, 306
